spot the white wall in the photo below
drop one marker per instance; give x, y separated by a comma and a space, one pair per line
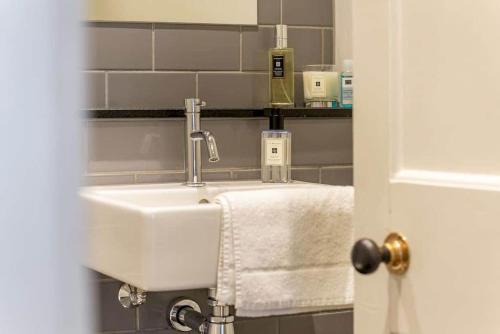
41, 278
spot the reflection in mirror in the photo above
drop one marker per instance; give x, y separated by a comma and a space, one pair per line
240, 12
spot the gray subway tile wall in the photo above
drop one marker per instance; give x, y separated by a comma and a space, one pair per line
230, 89
157, 65
238, 141
185, 47
269, 325
338, 175
103, 179
308, 13
306, 174
307, 45
130, 90
96, 90
127, 146
321, 142
160, 177
246, 174
299, 89
152, 66
151, 316
215, 175
340, 322
119, 46
256, 42
119, 146
328, 47
269, 11
111, 315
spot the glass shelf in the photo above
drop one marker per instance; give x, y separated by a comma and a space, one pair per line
218, 113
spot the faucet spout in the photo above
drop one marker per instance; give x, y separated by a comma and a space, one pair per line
213, 152
194, 135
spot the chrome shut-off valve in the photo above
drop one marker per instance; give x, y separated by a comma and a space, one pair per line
185, 315
221, 321
129, 296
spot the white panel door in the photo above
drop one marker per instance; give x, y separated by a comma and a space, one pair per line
427, 162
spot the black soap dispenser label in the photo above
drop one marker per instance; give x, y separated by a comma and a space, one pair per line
278, 66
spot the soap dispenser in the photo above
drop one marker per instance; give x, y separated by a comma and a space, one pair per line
281, 71
276, 150
346, 85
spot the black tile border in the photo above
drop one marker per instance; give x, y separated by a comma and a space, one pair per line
217, 113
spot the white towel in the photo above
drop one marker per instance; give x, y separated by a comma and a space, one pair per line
286, 250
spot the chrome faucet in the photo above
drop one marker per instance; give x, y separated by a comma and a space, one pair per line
194, 136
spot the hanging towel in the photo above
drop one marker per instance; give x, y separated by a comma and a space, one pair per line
286, 250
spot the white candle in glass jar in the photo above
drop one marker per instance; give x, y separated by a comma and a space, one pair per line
321, 83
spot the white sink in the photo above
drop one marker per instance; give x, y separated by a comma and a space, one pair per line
158, 237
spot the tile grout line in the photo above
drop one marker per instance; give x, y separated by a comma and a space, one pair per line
322, 46
106, 90
137, 319
187, 71
197, 84
231, 173
281, 11
291, 26
334, 46
241, 48
153, 37
215, 170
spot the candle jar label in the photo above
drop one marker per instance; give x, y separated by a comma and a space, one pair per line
318, 86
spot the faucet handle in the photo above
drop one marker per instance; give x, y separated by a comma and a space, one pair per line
193, 104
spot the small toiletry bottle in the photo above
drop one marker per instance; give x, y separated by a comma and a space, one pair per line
276, 150
281, 71
346, 93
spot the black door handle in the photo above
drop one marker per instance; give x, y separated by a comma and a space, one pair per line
366, 255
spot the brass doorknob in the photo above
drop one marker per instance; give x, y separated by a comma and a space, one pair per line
366, 256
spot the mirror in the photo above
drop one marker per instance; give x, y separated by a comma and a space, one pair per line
238, 12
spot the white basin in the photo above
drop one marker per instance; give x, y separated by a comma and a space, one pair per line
158, 237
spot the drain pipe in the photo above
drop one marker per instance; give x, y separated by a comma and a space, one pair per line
185, 315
